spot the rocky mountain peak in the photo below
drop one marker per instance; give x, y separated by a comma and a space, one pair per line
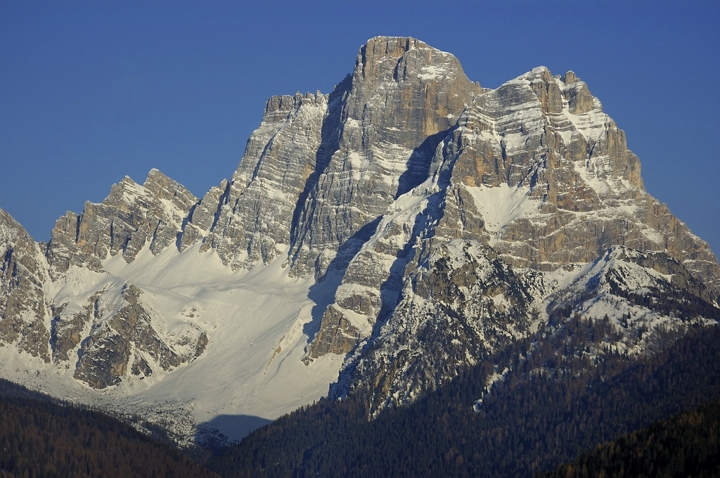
409, 223
123, 223
166, 188
533, 169
347, 154
569, 78
432, 81
397, 58
378, 58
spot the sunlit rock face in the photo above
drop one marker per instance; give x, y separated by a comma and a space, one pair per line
321, 168
128, 219
554, 181
24, 312
123, 341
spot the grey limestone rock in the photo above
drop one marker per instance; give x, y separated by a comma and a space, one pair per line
460, 305
254, 217
572, 172
337, 335
645, 294
66, 333
439, 209
401, 98
203, 216
534, 170
24, 313
123, 341
128, 219
321, 168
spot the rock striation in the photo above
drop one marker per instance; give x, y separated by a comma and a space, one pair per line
533, 169
100, 328
128, 219
464, 304
124, 341
23, 308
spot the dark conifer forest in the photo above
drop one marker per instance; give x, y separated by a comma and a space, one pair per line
40, 438
684, 445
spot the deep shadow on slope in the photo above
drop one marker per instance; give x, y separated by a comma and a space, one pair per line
416, 248
417, 171
322, 293
329, 143
524, 425
224, 430
418, 165
684, 445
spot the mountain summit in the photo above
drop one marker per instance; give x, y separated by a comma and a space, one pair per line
376, 240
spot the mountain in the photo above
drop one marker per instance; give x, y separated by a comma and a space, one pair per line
373, 242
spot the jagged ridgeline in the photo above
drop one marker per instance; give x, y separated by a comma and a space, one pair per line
376, 240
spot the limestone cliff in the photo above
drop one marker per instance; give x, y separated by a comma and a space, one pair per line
128, 219
24, 314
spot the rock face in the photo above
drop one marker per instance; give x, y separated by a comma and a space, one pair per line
464, 303
402, 97
460, 305
575, 187
124, 341
321, 168
442, 221
128, 219
534, 170
23, 310
254, 217
53, 310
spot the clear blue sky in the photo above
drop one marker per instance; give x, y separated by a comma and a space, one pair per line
93, 91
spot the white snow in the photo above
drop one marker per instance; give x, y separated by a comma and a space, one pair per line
432, 72
500, 205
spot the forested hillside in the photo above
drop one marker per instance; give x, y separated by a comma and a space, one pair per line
684, 445
39, 438
528, 423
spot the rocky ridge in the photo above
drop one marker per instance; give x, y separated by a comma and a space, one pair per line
23, 308
439, 220
63, 307
463, 304
128, 219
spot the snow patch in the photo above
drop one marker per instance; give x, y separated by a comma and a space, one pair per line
432, 72
502, 204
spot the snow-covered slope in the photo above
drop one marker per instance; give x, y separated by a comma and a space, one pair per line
255, 322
